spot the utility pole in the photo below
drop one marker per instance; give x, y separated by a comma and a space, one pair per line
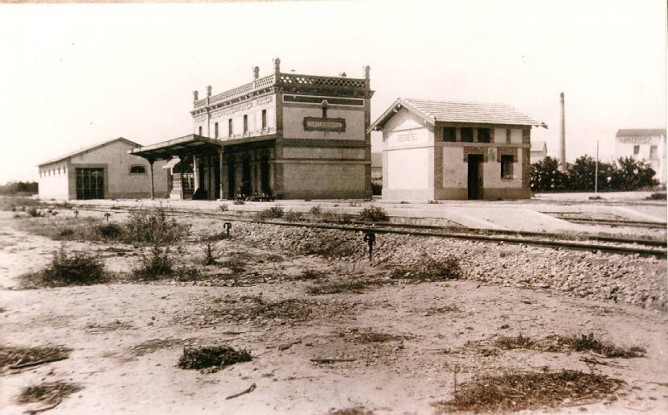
596, 170
563, 133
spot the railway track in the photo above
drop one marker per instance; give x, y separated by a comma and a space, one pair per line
609, 244
592, 243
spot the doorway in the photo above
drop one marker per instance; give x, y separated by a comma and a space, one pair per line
231, 179
90, 183
475, 176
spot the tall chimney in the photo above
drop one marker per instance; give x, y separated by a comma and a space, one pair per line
563, 134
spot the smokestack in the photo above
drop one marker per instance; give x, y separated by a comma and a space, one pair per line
563, 134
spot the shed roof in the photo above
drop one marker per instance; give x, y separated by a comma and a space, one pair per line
89, 149
460, 112
639, 132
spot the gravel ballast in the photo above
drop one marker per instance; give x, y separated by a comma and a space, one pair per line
630, 279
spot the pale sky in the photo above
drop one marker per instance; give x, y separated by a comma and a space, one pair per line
75, 75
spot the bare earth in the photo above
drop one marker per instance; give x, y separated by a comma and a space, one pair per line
127, 337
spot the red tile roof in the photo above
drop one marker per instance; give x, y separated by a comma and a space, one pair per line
470, 112
459, 112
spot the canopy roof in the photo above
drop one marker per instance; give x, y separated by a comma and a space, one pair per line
189, 144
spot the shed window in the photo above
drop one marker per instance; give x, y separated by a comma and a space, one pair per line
245, 124
138, 170
449, 134
507, 167
484, 135
653, 152
200, 130
467, 135
636, 150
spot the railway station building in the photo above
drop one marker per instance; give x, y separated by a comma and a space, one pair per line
284, 136
102, 171
434, 150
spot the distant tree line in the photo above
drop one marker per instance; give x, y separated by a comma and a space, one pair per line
621, 175
13, 188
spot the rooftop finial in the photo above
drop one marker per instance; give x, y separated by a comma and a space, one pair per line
277, 65
256, 72
367, 69
208, 91
195, 95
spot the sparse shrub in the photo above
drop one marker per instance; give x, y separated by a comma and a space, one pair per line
239, 202
65, 233
79, 268
513, 392
309, 274
374, 214
224, 207
235, 264
274, 212
210, 254
109, 230
589, 342
657, 196
15, 357
356, 286
153, 226
433, 202
519, 342
212, 357
292, 216
315, 210
49, 392
34, 212
428, 268
154, 265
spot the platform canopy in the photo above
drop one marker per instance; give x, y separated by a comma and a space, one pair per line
182, 146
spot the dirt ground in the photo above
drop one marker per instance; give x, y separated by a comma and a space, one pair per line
127, 336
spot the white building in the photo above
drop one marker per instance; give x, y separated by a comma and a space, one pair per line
102, 171
644, 144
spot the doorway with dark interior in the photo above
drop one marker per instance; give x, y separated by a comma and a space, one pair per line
474, 183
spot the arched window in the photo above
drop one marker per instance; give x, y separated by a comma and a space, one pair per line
137, 169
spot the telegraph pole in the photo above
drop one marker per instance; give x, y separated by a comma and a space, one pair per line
596, 170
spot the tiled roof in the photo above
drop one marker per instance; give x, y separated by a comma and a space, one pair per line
470, 112
641, 132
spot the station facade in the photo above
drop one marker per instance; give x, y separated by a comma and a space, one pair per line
453, 150
285, 136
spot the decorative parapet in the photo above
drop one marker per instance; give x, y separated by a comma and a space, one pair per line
357, 87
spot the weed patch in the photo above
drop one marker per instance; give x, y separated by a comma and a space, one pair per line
428, 268
49, 392
212, 357
17, 357
292, 216
520, 391
590, 343
374, 214
363, 336
357, 410
274, 212
256, 309
79, 268
154, 265
356, 286
555, 343
152, 226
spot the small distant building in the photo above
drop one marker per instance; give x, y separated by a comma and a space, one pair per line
644, 144
538, 151
454, 150
101, 171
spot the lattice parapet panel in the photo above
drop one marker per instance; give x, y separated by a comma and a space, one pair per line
322, 81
